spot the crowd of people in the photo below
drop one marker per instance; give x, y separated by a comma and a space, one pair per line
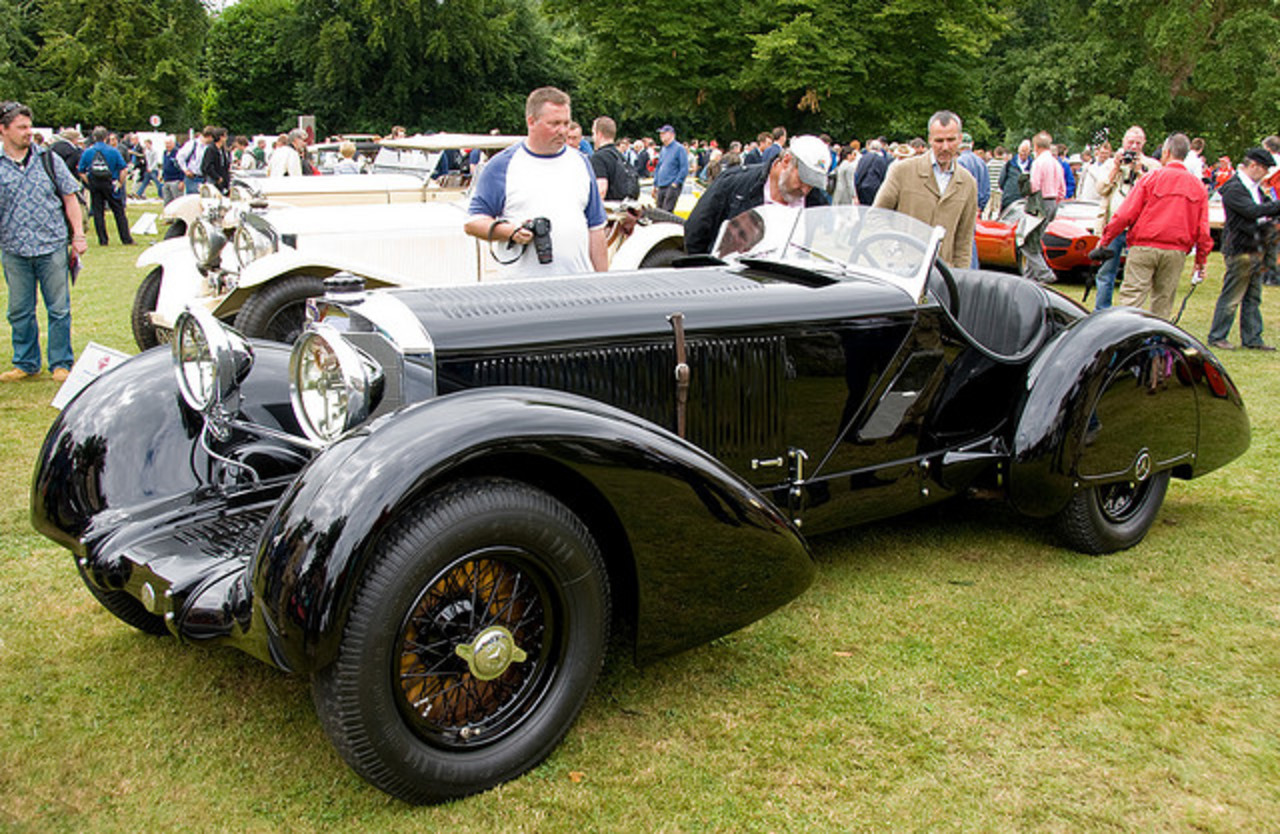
1155, 210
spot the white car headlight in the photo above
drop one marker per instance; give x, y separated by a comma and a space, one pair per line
207, 241
210, 360
251, 244
333, 385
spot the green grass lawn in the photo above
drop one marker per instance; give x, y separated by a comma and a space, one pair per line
950, 670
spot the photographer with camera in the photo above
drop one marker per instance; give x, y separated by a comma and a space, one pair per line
1117, 178
1165, 217
540, 192
1248, 224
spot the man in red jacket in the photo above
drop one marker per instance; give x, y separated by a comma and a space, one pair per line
1166, 215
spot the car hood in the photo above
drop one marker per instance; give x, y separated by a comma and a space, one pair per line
613, 307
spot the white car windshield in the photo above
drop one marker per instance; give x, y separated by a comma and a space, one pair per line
839, 242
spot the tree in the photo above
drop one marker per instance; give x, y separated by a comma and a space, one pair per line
249, 68
17, 49
461, 64
117, 63
1086, 71
732, 70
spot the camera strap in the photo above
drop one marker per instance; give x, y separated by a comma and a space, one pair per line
510, 245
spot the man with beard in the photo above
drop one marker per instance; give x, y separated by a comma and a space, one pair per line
795, 178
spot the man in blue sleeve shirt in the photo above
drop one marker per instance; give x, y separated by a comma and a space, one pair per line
673, 167
39, 212
540, 185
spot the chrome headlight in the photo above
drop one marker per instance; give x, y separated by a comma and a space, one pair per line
207, 241
210, 360
251, 244
334, 386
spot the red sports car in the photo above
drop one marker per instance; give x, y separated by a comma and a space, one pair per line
1066, 242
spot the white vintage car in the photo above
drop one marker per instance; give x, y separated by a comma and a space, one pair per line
401, 174
256, 266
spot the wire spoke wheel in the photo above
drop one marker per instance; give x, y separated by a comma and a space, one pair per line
477, 632
477, 649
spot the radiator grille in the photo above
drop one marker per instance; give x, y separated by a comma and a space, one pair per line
736, 393
225, 537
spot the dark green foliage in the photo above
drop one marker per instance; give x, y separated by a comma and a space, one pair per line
731, 70
1089, 70
250, 67
457, 65
117, 63
1082, 70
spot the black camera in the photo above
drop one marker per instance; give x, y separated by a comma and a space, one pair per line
541, 228
1128, 157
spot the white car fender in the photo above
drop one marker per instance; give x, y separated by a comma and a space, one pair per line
180, 279
186, 208
159, 253
643, 240
289, 262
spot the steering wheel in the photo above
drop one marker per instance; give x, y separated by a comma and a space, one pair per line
953, 292
863, 247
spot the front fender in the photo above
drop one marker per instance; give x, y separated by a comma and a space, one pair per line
186, 208
181, 281
706, 552
1118, 394
290, 261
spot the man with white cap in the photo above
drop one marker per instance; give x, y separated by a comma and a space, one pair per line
934, 189
795, 178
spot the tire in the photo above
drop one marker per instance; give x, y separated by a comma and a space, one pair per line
144, 304
278, 310
661, 258
1113, 517
493, 717
126, 609
177, 228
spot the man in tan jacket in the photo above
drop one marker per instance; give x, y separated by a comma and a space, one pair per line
933, 189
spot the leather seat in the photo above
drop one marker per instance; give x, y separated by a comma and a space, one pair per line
1003, 313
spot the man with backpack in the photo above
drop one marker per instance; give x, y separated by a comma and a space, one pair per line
616, 179
104, 170
39, 219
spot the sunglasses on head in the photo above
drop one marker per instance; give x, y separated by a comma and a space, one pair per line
9, 107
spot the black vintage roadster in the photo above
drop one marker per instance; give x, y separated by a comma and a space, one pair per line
437, 503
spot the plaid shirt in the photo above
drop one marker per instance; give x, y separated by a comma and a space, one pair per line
31, 218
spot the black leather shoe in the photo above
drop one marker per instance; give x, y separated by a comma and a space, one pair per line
1268, 348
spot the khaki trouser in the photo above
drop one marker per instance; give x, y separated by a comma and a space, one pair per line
1154, 272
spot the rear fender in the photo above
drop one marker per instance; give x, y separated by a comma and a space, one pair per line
698, 552
642, 241
1118, 396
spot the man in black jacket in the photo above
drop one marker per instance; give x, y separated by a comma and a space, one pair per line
796, 177
1243, 244
215, 165
870, 173
1018, 165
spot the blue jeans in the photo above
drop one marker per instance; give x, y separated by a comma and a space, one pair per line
24, 275
147, 178
1105, 281
193, 184
1241, 289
